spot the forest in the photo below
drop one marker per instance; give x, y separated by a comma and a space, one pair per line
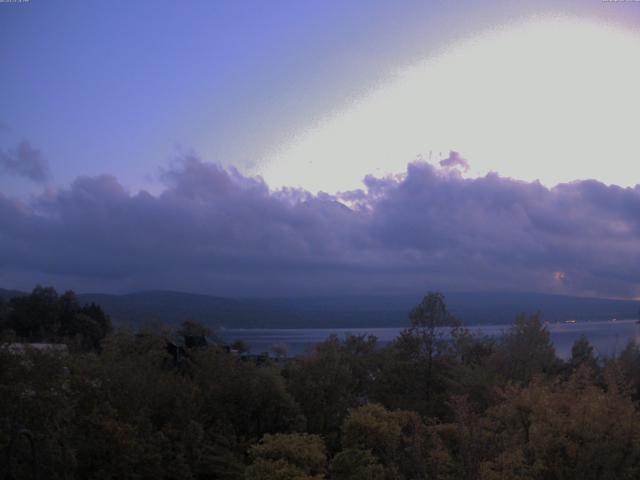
436, 403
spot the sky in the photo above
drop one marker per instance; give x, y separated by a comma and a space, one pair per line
310, 147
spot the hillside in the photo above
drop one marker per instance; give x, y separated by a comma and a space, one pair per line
168, 307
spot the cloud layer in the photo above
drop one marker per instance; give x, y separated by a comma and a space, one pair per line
217, 231
24, 161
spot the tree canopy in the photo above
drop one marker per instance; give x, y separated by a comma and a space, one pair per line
436, 403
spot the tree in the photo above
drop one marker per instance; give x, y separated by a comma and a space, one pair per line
582, 355
192, 328
425, 318
356, 464
137, 418
466, 438
399, 441
35, 407
247, 399
6, 332
416, 371
34, 317
472, 375
288, 457
331, 379
88, 327
526, 350
625, 370
43, 316
563, 430
321, 383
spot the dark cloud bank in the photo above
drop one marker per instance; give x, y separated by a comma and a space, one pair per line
216, 231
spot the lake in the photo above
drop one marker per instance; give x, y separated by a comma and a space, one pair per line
607, 337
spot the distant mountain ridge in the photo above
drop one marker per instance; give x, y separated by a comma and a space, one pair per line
7, 294
171, 307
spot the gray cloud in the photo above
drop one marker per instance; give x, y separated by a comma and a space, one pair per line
24, 161
455, 160
217, 231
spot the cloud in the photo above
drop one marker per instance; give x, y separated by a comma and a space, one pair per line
455, 160
25, 161
215, 230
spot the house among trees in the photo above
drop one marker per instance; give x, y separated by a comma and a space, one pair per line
192, 335
178, 345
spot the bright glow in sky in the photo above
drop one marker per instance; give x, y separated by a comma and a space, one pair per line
553, 99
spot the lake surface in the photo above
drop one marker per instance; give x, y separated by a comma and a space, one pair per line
607, 337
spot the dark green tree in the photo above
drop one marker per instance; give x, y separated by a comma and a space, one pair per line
416, 370
582, 355
35, 317
526, 350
